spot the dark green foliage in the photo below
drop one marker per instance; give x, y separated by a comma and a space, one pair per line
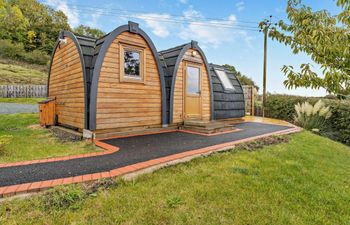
321, 35
10, 50
245, 80
338, 125
16, 51
88, 31
31, 23
282, 106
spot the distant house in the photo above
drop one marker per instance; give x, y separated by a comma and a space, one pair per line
120, 82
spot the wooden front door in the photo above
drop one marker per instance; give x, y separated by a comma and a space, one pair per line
192, 92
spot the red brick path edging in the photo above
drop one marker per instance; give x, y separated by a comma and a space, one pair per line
109, 149
43, 185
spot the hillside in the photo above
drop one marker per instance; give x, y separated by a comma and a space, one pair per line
16, 72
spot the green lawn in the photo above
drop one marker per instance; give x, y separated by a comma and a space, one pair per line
27, 140
32, 101
305, 181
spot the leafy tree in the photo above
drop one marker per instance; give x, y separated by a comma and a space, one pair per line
13, 24
44, 24
241, 77
325, 38
88, 31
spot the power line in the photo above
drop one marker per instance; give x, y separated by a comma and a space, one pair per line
179, 19
172, 15
172, 20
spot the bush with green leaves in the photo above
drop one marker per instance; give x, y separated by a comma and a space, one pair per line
312, 117
11, 50
337, 127
16, 51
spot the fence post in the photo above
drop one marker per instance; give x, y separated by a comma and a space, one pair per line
249, 92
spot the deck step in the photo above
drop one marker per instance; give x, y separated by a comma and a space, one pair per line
208, 127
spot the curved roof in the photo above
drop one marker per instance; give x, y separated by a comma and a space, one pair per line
171, 59
101, 49
82, 51
92, 51
227, 103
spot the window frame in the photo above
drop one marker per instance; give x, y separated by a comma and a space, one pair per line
233, 89
199, 79
129, 47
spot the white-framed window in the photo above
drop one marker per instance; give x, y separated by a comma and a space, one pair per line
132, 63
224, 79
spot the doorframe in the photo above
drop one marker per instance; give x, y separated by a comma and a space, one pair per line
184, 85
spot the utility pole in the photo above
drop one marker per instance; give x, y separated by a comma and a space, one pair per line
265, 29
264, 72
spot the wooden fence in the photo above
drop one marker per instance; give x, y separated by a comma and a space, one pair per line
249, 92
23, 91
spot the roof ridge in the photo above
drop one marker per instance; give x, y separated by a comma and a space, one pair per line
173, 48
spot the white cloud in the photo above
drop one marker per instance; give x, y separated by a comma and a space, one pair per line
183, 1
71, 12
94, 18
157, 23
211, 33
240, 6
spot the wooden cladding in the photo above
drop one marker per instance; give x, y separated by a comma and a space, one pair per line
47, 113
67, 85
123, 104
140, 72
191, 57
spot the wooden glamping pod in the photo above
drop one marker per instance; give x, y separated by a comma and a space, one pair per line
121, 83
197, 90
112, 83
69, 79
227, 92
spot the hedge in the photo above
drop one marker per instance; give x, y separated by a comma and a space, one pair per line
338, 125
16, 51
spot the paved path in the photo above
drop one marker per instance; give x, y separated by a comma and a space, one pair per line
11, 108
133, 150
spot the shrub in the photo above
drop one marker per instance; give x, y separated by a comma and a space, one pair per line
311, 116
36, 56
10, 50
16, 51
337, 126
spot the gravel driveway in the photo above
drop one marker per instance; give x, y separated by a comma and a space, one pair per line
11, 108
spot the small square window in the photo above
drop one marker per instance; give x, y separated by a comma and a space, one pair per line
132, 64
224, 80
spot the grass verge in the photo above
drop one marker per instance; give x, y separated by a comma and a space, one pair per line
23, 139
32, 101
17, 74
304, 181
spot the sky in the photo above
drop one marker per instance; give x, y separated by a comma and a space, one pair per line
241, 46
